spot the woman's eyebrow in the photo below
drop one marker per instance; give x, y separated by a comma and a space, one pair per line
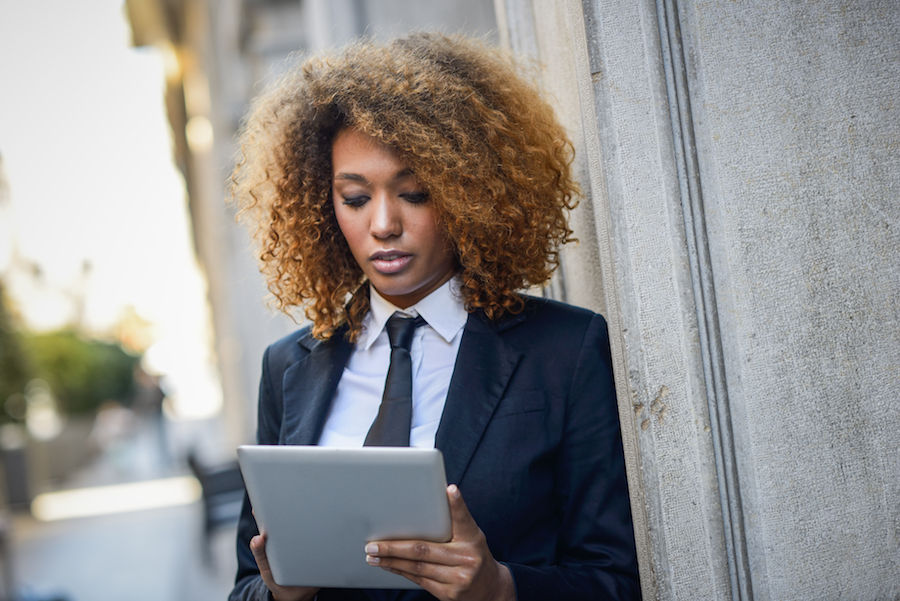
353, 177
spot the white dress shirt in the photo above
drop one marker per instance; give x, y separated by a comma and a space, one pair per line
433, 353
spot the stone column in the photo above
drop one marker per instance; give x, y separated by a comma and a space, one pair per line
743, 174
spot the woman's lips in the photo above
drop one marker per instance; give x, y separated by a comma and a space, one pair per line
390, 262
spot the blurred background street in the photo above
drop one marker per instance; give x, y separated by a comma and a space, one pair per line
148, 554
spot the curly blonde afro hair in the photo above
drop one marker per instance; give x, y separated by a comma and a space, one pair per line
463, 116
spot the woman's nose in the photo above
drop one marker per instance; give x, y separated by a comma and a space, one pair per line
386, 218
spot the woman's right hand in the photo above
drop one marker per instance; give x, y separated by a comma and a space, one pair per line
280, 593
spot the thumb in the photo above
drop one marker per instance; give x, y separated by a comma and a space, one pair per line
258, 548
464, 526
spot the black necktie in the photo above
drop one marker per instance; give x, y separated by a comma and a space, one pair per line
391, 427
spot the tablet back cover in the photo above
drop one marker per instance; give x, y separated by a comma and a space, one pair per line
319, 506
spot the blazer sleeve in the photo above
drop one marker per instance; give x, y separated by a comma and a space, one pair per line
595, 556
249, 585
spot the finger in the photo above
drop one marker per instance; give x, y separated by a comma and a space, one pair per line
413, 550
420, 571
258, 548
464, 526
437, 589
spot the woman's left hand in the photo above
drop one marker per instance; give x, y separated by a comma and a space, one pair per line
460, 570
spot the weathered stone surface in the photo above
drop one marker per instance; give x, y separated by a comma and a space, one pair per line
641, 196
743, 169
798, 123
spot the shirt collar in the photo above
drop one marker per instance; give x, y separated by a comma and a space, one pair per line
443, 310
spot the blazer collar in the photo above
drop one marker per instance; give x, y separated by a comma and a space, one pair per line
484, 366
309, 387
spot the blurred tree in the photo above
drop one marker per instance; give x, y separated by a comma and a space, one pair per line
15, 369
81, 373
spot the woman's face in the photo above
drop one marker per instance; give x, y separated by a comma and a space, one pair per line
387, 220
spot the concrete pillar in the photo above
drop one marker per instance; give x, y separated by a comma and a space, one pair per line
743, 174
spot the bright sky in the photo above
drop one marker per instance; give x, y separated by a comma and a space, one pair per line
86, 151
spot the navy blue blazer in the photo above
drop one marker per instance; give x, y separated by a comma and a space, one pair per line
530, 434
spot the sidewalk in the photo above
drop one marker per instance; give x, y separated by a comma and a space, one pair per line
149, 555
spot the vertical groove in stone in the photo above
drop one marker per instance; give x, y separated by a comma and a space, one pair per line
705, 298
632, 450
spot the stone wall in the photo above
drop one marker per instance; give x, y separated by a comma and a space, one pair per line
743, 177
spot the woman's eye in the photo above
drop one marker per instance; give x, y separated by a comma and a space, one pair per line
414, 197
355, 201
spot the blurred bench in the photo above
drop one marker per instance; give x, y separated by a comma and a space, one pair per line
222, 496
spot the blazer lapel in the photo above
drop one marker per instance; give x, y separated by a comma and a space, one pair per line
309, 387
484, 366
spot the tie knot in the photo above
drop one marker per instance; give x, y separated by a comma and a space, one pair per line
401, 330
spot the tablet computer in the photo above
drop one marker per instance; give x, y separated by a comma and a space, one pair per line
319, 506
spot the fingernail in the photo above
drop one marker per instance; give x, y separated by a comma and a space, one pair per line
372, 549
454, 491
373, 560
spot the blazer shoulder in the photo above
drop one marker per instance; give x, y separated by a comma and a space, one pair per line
558, 315
289, 349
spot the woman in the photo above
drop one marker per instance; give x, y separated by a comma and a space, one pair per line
427, 177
